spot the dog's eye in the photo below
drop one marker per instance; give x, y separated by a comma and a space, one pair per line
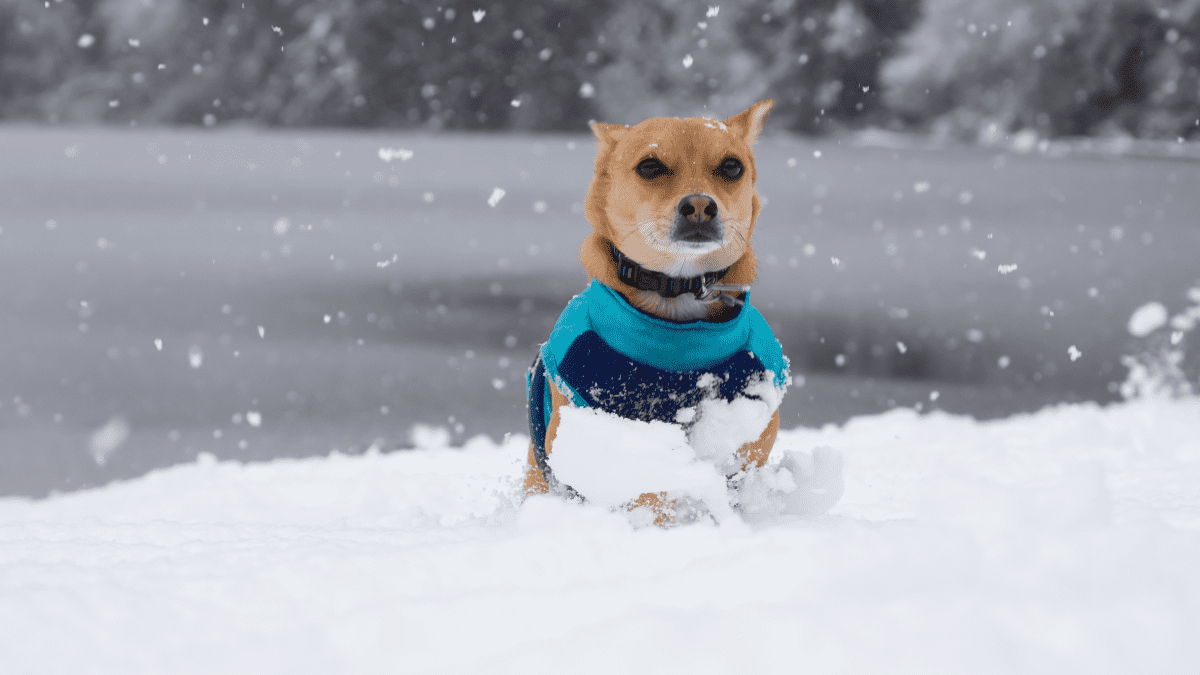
729, 169
650, 168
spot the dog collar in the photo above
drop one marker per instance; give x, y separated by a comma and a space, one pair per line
632, 274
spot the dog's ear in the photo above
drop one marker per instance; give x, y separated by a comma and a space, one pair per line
748, 124
608, 134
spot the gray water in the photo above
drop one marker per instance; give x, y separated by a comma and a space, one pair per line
391, 294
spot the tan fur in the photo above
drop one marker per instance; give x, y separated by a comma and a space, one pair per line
636, 215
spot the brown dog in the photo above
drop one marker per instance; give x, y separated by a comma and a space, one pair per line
673, 208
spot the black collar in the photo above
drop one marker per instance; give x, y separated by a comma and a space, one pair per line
632, 274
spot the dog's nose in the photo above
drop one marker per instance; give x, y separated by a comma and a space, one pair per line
698, 208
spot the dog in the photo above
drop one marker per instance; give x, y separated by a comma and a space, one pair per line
664, 324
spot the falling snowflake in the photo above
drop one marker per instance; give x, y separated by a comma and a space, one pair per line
388, 154
107, 439
497, 195
1147, 319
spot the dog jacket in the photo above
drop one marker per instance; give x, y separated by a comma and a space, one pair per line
605, 353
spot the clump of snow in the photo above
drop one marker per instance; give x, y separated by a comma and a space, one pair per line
389, 154
612, 460
719, 427
799, 484
1147, 319
497, 195
1158, 370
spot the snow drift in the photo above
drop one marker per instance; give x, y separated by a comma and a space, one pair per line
1058, 542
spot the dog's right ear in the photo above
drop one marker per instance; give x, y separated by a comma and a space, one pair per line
748, 124
609, 134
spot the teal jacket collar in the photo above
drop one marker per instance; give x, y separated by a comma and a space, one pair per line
658, 342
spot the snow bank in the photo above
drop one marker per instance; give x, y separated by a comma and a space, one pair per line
1066, 541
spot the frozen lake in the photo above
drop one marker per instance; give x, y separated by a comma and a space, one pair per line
299, 281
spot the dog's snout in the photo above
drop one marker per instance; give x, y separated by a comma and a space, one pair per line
696, 221
698, 208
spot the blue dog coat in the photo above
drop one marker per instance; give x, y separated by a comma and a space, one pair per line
605, 353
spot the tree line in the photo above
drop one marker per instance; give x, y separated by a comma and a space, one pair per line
950, 67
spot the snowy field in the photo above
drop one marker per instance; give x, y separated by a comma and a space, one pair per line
1065, 541
171, 288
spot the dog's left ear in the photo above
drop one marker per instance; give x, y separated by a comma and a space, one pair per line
608, 134
748, 124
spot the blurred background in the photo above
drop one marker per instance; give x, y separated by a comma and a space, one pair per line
264, 229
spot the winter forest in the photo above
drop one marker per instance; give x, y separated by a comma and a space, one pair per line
273, 273
961, 69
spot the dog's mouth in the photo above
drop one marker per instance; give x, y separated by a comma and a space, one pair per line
697, 234
696, 221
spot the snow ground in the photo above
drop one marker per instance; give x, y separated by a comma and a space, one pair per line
1063, 541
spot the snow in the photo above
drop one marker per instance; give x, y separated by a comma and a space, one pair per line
611, 460
108, 439
1147, 319
1062, 541
720, 428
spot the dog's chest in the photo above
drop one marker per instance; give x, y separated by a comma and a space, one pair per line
616, 383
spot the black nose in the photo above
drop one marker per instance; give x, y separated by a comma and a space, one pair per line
697, 208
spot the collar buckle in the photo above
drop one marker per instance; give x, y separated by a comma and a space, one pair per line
725, 292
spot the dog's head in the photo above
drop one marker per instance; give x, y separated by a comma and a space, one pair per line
677, 195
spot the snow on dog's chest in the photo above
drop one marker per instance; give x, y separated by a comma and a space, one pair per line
611, 459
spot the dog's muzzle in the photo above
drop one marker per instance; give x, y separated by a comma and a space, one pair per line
696, 220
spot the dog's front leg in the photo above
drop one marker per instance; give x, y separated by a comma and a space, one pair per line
756, 453
535, 482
